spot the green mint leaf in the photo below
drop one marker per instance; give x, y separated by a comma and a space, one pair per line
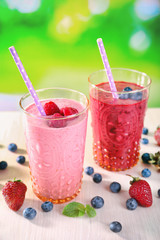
90, 211
74, 209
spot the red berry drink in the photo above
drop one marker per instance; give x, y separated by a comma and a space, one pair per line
117, 123
55, 143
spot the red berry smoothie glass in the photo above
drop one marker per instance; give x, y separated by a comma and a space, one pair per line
117, 122
56, 146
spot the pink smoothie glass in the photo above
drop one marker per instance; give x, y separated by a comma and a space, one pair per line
117, 123
56, 147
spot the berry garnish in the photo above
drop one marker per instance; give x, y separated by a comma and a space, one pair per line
67, 111
97, 178
50, 108
146, 158
145, 131
20, 159
144, 141
12, 147
127, 89
131, 204
14, 194
115, 226
157, 135
158, 192
146, 172
47, 206
136, 96
141, 191
124, 96
3, 165
56, 121
29, 213
115, 187
97, 202
89, 170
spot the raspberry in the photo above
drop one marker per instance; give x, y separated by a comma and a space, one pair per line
67, 111
56, 122
50, 108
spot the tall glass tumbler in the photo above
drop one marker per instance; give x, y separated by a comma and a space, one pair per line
117, 123
56, 146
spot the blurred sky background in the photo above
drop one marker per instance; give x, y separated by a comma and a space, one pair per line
56, 42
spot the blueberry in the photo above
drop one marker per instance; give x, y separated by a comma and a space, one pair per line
89, 170
158, 192
146, 158
3, 165
136, 96
145, 131
131, 204
29, 213
124, 96
144, 141
47, 206
146, 172
97, 178
12, 147
20, 159
97, 202
115, 226
127, 89
115, 187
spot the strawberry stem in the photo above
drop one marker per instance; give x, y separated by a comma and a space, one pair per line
135, 179
14, 180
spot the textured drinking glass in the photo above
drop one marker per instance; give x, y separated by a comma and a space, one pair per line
56, 146
117, 123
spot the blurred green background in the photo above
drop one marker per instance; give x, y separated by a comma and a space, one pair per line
56, 41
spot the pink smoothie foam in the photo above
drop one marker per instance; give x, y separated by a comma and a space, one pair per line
56, 154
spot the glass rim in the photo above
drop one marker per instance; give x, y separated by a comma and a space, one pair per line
49, 117
121, 92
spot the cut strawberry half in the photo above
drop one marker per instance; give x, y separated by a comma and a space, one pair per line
67, 111
56, 122
50, 108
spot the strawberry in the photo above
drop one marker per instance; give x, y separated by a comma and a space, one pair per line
50, 108
157, 135
67, 111
14, 194
141, 191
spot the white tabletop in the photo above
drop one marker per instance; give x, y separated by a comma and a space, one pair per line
142, 223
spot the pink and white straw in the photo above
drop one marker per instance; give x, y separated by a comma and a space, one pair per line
107, 68
26, 80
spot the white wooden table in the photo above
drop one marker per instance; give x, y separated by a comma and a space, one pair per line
140, 224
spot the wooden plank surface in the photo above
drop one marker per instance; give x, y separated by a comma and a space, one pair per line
143, 223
